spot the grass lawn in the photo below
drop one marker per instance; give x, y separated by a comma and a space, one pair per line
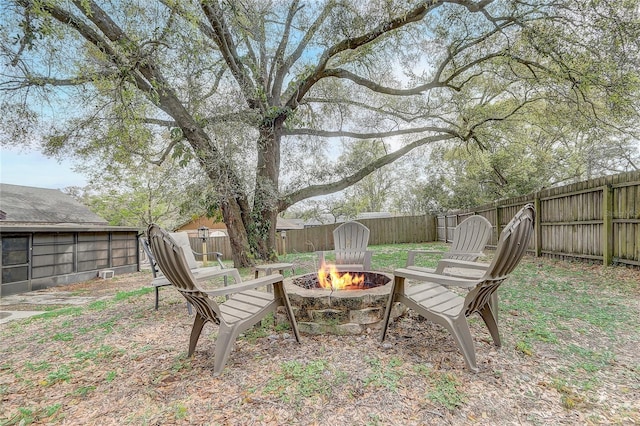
570, 355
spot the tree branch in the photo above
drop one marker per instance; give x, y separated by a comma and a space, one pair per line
302, 87
372, 135
407, 117
342, 73
278, 57
42, 81
329, 188
285, 66
228, 50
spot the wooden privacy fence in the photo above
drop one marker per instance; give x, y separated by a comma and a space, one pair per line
217, 244
392, 230
598, 219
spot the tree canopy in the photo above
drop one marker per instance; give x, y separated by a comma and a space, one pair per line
262, 95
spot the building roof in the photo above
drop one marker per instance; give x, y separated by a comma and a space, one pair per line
284, 224
29, 205
327, 219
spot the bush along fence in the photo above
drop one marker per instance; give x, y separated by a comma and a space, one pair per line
597, 220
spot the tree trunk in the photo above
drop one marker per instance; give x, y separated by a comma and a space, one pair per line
265, 207
238, 237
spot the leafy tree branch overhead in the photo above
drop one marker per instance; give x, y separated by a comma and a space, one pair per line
242, 87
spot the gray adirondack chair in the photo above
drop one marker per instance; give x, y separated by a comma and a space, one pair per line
469, 239
433, 300
350, 241
245, 307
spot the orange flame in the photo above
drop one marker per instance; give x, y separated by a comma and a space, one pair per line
330, 278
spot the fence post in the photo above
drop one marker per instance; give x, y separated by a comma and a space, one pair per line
497, 223
446, 227
538, 225
607, 225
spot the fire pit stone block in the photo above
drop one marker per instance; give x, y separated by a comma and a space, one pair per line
328, 315
366, 316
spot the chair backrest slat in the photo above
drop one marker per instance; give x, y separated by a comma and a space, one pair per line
351, 235
470, 237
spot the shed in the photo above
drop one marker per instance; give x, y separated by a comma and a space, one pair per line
48, 239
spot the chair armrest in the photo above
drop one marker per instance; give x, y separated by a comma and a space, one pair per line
247, 285
366, 260
463, 255
216, 253
464, 264
435, 278
411, 254
202, 275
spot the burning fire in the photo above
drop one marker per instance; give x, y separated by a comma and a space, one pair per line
330, 278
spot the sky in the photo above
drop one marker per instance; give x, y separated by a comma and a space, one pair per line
34, 169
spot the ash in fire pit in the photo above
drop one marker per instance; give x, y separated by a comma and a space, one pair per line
337, 308
354, 280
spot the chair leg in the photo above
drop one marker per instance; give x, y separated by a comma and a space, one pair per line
224, 345
459, 328
489, 318
280, 294
494, 305
398, 283
198, 323
292, 320
157, 296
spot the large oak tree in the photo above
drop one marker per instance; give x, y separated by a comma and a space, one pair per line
257, 92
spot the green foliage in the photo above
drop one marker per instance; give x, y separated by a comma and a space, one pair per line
447, 390
27, 415
40, 366
61, 374
125, 295
63, 337
111, 376
297, 381
387, 375
84, 391
74, 311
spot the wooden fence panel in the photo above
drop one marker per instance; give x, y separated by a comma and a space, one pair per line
214, 244
626, 222
598, 219
572, 223
441, 229
391, 230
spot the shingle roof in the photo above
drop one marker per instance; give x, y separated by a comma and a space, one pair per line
26, 204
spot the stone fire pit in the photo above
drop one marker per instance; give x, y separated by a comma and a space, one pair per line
342, 312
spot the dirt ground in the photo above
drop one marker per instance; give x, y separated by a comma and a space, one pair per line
124, 363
